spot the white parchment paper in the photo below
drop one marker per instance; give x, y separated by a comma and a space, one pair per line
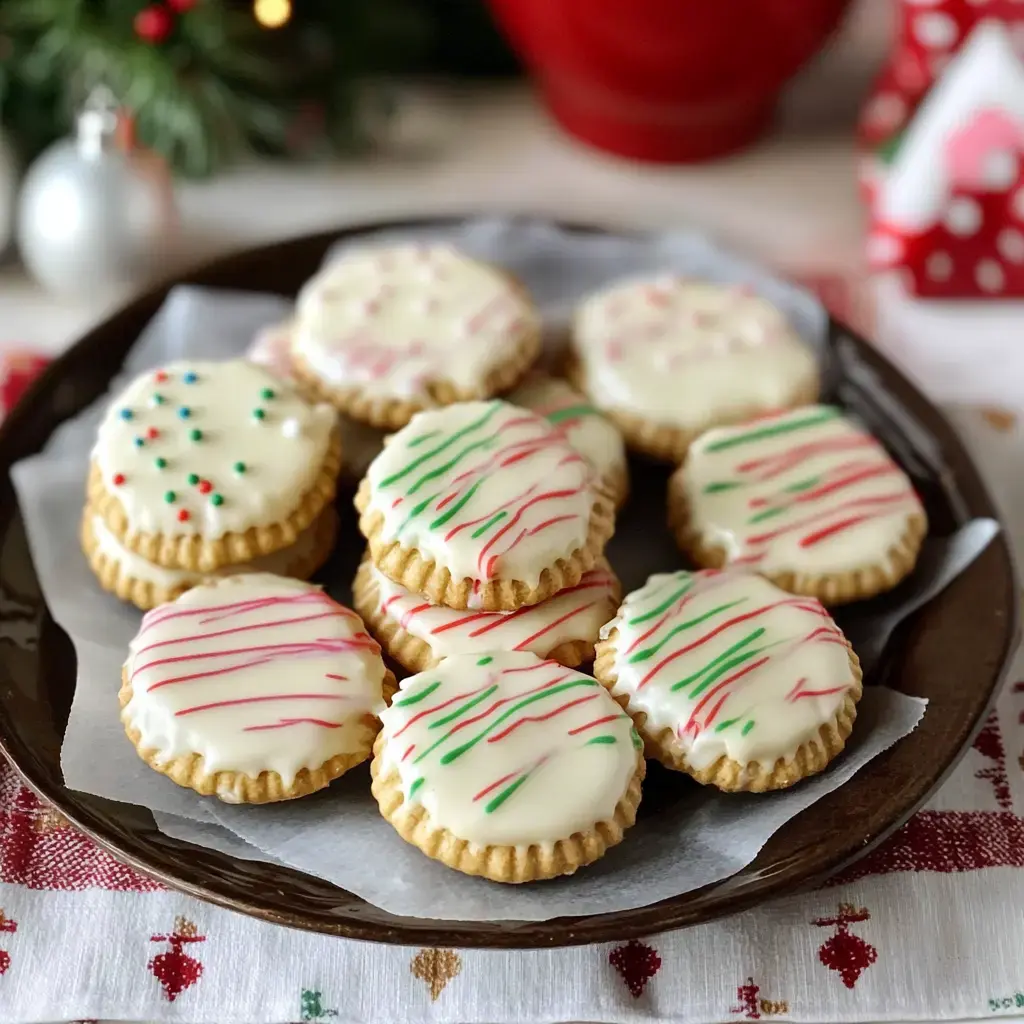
690, 837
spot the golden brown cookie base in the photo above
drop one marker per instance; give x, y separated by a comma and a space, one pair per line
831, 589
199, 554
268, 787
409, 568
615, 483
415, 654
511, 864
394, 413
670, 443
810, 758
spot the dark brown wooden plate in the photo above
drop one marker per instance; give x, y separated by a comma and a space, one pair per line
953, 652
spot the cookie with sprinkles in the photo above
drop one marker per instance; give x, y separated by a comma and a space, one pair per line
483, 505
668, 357
383, 333
144, 584
198, 465
360, 443
507, 766
253, 689
418, 634
730, 679
587, 430
807, 498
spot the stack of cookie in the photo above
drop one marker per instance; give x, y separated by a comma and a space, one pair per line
485, 531
204, 468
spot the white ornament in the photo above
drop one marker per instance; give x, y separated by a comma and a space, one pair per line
92, 217
886, 110
939, 266
990, 276
935, 30
1010, 243
884, 250
291, 427
963, 217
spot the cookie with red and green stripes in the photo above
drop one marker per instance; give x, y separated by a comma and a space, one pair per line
507, 766
483, 505
806, 498
730, 679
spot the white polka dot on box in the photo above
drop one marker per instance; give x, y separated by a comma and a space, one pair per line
947, 211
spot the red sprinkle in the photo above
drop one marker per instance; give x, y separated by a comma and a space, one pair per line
152, 433
118, 479
183, 515
205, 487
160, 376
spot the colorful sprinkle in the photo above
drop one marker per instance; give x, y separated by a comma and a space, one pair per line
160, 376
193, 478
205, 487
267, 393
239, 467
156, 399
258, 414
195, 434
138, 442
184, 412
160, 463
183, 515
170, 497
126, 414
118, 479
152, 433
190, 377
485, 660
217, 499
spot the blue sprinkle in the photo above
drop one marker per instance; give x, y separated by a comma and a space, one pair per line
184, 412
126, 414
139, 442
190, 377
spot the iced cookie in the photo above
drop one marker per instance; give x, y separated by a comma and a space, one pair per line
806, 498
506, 766
131, 578
199, 465
593, 436
360, 443
670, 357
483, 505
385, 333
730, 679
418, 635
253, 689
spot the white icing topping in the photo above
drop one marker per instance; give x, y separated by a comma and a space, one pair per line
804, 491
279, 562
484, 489
594, 437
256, 673
394, 321
732, 665
508, 750
205, 428
576, 613
688, 353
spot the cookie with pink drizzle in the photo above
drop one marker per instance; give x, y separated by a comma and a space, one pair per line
730, 679
589, 432
483, 505
507, 766
384, 333
253, 689
807, 498
418, 634
668, 357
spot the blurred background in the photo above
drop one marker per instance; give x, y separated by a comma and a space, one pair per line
869, 147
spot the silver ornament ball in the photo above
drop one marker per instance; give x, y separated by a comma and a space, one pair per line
91, 218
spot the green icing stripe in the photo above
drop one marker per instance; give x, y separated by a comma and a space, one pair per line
722, 485
414, 788
452, 463
774, 431
415, 698
649, 652
688, 585
600, 739
747, 727
571, 412
459, 712
716, 662
505, 794
417, 509
768, 513
496, 518
454, 509
722, 726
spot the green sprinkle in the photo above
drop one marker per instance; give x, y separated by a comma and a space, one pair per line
170, 496
258, 414
195, 434
216, 499
160, 462
193, 478
267, 393
747, 727
157, 399
485, 660
239, 467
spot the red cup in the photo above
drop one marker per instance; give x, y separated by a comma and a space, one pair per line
674, 81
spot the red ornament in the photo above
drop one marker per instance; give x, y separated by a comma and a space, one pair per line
637, 963
17, 371
181, 6
205, 487
118, 479
183, 515
176, 970
847, 954
153, 24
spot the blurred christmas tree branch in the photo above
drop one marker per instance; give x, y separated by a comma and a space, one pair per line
206, 82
